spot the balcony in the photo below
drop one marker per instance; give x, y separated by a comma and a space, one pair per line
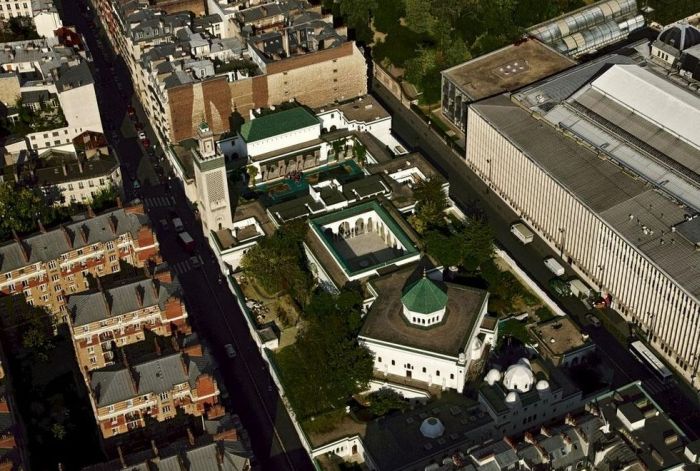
106, 346
108, 356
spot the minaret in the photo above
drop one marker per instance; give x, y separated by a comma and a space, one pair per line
213, 199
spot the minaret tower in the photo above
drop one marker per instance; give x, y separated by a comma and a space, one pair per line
213, 199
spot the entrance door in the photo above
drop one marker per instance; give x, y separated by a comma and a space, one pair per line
408, 374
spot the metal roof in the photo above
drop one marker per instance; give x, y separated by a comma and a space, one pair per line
277, 123
424, 296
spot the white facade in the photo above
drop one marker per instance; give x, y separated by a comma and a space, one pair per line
83, 191
445, 371
79, 106
280, 141
642, 292
13, 8
380, 127
213, 199
46, 22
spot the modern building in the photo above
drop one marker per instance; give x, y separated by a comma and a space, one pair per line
125, 396
560, 341
590, 28
107, 319
506, 69
47, 267
426, 330
610, 154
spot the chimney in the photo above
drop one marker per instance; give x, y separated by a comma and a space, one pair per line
163, 275
90, 212
80, 164
112, 221
190, 436
121, 456
185, 365
41, 227
22, 248
220, 456
84, 233
154, 448
139, 295
156, 346
67, 236
65, 170
175, 345
119, 202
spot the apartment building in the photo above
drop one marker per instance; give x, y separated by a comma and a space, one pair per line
124, 396
48, 266
104, 320
183, 74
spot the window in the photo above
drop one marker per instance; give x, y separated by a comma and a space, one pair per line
379, 359
91, 349
53, 264
111, 408
112, 258
393, 363
55, 277
166, 409
115, 430
110, 245
60, 298
164, 396
57, 288
8, 276
437, 373
452, 376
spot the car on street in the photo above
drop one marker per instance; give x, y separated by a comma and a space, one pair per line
137, 184
146, 143
194, 261
164, 224
593, 319
230, 351
142, 135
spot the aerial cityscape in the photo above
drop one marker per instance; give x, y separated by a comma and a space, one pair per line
349, 235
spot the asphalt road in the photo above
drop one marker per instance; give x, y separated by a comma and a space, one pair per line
468, 191
212, 307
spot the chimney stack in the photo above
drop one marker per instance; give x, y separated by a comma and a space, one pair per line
67, 236
90, 212
139, 295
190, 436
121, 457
41, 227
154, 448
119, 202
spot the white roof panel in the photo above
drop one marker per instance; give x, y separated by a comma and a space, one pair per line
662, 102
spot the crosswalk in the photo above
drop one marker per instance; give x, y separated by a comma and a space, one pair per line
159, 201
186, 265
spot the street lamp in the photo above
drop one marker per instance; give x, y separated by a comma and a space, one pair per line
562, 231
488, 183
601, 268
651, 328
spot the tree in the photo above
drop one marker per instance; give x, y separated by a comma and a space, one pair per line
277, 263
446, 249
38, 333
431, 202
326, 365
419, 16
477, 244
357, 15
58, 431
252, 173
359, 151
21, 208
385, 400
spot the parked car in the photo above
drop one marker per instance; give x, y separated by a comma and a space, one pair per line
230, 351
194, 261
593, 319
142, 135
146, 143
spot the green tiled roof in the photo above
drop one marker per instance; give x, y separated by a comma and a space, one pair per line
277, 123
424, 297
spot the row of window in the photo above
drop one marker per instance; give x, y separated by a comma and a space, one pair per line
17, 7
408, 366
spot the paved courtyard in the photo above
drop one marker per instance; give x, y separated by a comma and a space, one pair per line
364, 250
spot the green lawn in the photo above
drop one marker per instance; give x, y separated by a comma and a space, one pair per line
514, 328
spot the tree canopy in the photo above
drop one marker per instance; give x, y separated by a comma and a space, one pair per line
469, 246
431, 203
21, 208
326, 365
277, 263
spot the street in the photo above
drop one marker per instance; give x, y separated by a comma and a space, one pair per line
212, 307
466, 188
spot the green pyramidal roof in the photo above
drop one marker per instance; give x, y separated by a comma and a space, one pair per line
276, 123
424, 296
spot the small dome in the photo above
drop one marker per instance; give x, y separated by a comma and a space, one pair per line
518, 377
680, 36
542, 385
424, 297
512, 397
493, 376
524, 361
432, 428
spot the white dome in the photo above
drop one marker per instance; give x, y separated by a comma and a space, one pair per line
542, 385
524, 361
432, 428
518, 377
493, 376
512, 397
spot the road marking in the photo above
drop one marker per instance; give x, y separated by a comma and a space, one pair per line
159, 201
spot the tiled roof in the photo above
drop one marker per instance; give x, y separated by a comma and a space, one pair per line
424, 296
50, 245
155, 376
97, 306
277, 123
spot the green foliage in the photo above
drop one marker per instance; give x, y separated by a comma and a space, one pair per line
359, 152
470, 246
326, 365
443, 248
357, 16
38, 333
252, 173
419, 16
544, 314
18, 28
21, 208
431, 202
277, 263
58, 431
386, 400
105, 199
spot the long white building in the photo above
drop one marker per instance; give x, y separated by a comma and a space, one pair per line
618, 231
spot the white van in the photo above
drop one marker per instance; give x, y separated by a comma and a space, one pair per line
554, 266
522, 233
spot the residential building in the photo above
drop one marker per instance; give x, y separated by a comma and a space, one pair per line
58, 77
107, 319
125, 396
590, 28
12, 442
223, 455
45, 16
560, 341
426, 330
183, 73
610, 155
506, 69
48, 266
69, 177
11, 9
